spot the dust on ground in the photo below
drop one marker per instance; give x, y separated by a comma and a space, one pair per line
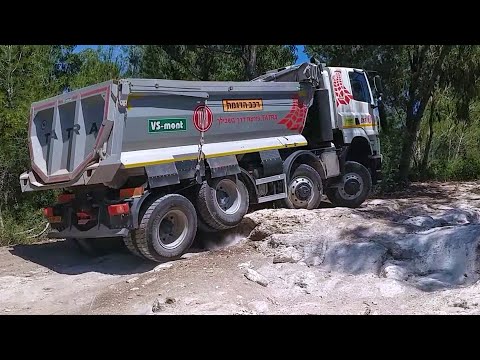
412, 252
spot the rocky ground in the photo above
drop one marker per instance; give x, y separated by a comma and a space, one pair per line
414, 252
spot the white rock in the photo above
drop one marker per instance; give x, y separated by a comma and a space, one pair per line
390, 289
158, 305
190, 301
254, 276
287, 255
394, 272
189, 255
148, 281
422, 221
134, 289
260, 307
132, 280
245, 265
162, 267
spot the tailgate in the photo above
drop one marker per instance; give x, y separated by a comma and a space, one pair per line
65, 132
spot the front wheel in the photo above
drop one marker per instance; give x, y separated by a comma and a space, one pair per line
304, 189
355, 186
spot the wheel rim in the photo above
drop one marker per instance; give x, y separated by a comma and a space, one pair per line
352, 186
172, 229
227, 196
301, 192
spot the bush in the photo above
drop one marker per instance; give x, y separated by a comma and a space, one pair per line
391, 146
25, 219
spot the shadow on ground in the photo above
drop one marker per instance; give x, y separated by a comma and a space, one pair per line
435, 191
429, 259
64, 257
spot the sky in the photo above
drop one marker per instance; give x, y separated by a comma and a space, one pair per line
302, 57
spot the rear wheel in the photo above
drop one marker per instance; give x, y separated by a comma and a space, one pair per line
167, 228
304, 189
223, 203
131, 243
355, 186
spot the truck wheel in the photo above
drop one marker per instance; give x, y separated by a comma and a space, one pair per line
167, 229
304, 190
223, 204
355, 187
131, 244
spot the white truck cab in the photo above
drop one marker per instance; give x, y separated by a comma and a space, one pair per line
354, 107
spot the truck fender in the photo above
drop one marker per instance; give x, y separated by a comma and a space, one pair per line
349, 135
305, 157
136, 206
250, 184
359, 150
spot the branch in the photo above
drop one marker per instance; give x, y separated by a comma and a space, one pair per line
431, 81
18, 62
41, 233
24, 232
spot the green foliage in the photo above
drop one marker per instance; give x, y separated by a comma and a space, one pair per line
93, 66
208, 62
414, 77
30, 73
454, 153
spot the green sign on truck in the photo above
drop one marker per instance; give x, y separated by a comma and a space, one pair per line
169, 124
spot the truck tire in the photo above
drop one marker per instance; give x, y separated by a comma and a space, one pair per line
305, 189
355, 188
223, 204
167, 228
131, 244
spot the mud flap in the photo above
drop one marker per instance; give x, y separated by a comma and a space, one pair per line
272, 162
223, 166
162, 175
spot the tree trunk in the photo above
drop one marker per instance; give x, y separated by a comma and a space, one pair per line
419, 91
250, 61
407, 148
2, 226
428, 146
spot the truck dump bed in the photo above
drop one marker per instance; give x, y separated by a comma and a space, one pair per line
85, 136
65, 132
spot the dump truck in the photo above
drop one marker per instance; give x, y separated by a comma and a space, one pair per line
152, 161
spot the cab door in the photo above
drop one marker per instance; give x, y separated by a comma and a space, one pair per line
361, 104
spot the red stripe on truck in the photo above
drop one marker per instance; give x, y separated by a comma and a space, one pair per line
93, 92
44, 106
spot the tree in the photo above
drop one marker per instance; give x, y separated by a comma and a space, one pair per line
27, 73
411, 73
90, 67
211, 62
30, 73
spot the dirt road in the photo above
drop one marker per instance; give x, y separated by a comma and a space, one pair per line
413, 253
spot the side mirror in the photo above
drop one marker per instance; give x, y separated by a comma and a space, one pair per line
377, 81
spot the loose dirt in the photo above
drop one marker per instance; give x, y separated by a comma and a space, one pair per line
413, 252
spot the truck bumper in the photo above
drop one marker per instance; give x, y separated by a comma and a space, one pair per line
96, 232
